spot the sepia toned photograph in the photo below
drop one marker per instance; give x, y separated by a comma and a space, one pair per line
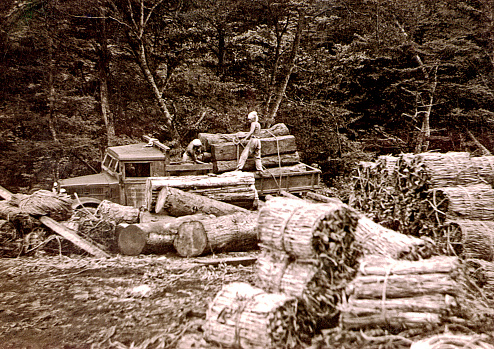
246, 174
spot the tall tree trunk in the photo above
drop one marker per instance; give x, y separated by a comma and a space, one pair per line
290, 64
143, 64
103, 65
51, 87
279, 35
425, 133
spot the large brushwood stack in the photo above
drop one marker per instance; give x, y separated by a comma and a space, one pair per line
429, 190
308, 251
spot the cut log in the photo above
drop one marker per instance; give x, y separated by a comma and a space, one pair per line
268, 161
231, 233
269, 146
378, 265
322, 198
208, 139
233, 187
150, 238
118, 213
178, 203
393, 319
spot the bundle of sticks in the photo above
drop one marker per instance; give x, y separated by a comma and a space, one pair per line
317, 296
308, 251
378, 240
427, 190
44, 203
244, 316
482, 273
322, 232
469, 239
402, 294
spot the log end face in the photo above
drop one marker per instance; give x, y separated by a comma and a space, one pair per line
131, 241
191, 240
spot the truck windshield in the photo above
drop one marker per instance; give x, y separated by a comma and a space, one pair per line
137, 169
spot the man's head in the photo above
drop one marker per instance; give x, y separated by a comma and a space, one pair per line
252, 116
196, 143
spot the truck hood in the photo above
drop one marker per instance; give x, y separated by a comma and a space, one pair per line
95, 179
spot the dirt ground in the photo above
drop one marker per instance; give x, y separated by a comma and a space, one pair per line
144, 302
122, 302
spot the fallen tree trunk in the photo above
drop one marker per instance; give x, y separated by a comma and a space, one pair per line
178, 203
268, 162
233, 188
269, 146
150, 238
208, 139
118, 213
231, 233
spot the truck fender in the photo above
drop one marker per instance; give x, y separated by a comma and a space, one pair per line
86, 202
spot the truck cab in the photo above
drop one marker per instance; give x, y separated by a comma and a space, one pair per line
124, 171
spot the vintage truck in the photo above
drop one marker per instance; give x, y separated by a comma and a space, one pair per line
126, 168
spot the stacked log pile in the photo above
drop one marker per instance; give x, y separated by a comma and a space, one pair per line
278, 148
399, 295
234, 188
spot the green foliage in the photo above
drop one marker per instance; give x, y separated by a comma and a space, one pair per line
213, 61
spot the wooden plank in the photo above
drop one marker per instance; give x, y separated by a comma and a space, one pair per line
5, 194
269, 146
270, 161
245, 261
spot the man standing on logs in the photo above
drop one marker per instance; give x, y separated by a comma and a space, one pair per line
193, 152
254, 145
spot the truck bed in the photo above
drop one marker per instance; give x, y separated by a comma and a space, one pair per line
293, 179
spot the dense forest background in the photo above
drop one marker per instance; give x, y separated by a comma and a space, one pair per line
351, 79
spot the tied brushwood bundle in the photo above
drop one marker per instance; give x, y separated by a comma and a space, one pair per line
44, 203
451, 341
378, 240
482, 273
244, 316
317, 296
323, 232
470, 239
402, 294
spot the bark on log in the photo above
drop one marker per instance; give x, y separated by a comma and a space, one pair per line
231, 233
118, 213
377, 265
394, 319
208, 139
268, 162
269, 146
150, 238
178, 203
233, 188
